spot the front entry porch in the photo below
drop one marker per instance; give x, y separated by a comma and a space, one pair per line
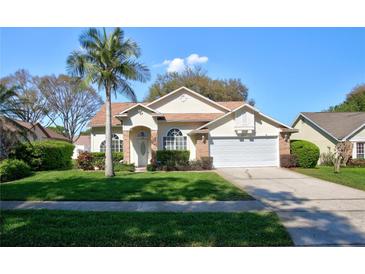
140, 145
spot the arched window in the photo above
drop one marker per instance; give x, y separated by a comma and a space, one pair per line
174, 140
117, 144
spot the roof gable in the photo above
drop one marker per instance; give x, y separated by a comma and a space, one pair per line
339, 125
186, 99
255, 110
137, 105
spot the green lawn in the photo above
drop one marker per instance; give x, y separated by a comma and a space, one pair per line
79, 185
352, 177
70, 228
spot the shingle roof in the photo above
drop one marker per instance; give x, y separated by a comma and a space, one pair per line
54, 135
338, 124
231, 104
24, 124
99, 118
83, 140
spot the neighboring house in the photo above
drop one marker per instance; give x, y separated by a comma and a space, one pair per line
326, 129
235, 134
32, 132
81, 144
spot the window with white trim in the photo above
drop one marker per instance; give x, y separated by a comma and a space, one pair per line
360, 150
174, 140
117, 144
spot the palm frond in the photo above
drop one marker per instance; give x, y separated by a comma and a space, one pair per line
133, 70
124, 87
91, 39
76, 63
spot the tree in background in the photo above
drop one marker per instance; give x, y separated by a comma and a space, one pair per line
198, 80
58, 129
86, 132
27, 103
9, 129
74, 102
355, 101
110, 61
6, 99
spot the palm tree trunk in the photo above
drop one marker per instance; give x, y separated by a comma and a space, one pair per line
109, 172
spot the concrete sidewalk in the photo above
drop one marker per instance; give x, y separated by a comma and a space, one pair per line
152, 206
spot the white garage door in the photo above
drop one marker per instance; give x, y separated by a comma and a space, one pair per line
244, 152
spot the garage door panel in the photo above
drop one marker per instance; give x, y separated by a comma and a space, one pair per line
244, 152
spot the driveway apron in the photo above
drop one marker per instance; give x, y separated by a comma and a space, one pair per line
315, 212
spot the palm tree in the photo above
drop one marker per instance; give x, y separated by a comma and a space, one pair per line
6, 95
110, 61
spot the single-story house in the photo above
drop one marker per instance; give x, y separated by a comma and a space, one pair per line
234, 133
81, 143
326, 129
25, 130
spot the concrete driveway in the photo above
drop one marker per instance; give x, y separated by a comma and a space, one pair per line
315, 212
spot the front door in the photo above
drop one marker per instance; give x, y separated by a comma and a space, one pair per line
142, 148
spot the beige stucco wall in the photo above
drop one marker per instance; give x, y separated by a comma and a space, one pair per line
185, 128
226, 126
98, 136
312, 134
189, 103
139, 116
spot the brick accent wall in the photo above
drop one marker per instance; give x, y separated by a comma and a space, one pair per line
154, 145
202, 146
126, 146
284, 149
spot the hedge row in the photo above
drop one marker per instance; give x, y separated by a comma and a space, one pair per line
172, 157
45, 154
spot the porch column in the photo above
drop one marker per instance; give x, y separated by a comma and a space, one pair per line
154, 145
202, 145
284, 149
126, 147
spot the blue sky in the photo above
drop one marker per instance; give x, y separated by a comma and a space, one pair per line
287, 70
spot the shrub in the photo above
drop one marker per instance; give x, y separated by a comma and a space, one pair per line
85, 161
151, 167
306, 153
288, 161
356, 163
12, 169
99, 163
207, 163
326, 158
195, 165
45, 154
124, 167
172, 157
117, 156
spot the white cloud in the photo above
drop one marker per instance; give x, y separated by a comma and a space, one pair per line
196, 59
176, 65
179, 64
